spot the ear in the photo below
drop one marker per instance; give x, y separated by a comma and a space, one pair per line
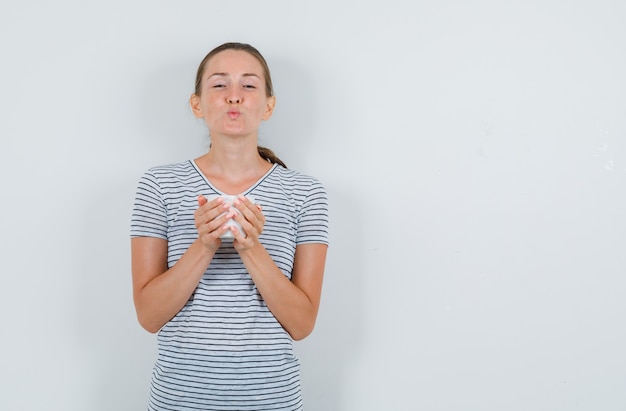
269, 107
194, 103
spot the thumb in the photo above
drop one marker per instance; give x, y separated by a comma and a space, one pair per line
202, 200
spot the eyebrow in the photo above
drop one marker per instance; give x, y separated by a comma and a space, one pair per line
226, 74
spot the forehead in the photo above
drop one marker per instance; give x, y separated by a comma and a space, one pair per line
234, 62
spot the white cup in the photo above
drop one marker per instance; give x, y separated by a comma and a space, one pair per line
228, 235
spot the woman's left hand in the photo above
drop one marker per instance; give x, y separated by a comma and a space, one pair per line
252, 221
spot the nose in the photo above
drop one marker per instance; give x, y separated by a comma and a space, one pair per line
234, 99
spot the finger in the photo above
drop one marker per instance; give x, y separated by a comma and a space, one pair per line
250, 232
210, 210
217, 202
249, 209
246, 202
216, 224
239, 240
211, 232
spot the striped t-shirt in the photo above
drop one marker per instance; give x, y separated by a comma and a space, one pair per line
225, 350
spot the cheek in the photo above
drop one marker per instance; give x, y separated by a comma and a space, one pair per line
209, 105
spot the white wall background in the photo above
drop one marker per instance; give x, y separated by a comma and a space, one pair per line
475, 157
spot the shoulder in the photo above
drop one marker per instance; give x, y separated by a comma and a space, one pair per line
178, 168
297, 188
169, 179
174, 172
295, 178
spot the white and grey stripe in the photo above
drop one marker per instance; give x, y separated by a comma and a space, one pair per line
225, 350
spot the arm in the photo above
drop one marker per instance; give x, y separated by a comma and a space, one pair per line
160, 293
294, 303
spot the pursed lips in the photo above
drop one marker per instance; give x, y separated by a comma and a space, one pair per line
233, 113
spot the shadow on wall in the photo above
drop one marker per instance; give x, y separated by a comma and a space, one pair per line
327, 354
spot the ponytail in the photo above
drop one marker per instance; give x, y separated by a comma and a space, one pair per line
269, 155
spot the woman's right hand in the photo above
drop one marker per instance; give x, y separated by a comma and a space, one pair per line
209, 223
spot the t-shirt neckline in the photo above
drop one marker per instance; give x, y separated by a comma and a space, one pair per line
245, 192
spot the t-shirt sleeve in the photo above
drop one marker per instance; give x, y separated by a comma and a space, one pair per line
149, 214
313, 217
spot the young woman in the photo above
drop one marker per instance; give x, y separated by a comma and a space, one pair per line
228, 309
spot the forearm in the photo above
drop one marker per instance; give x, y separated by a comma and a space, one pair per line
160, 299
292, 307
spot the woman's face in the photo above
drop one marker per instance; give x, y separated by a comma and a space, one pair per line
232, 101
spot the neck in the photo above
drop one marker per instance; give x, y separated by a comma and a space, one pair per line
233, 159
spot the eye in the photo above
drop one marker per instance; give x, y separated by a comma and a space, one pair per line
219, 85
250, 86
